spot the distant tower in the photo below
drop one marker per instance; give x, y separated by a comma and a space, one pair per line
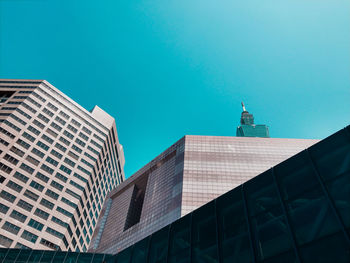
248, 128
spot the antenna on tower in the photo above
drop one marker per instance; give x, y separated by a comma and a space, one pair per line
243, 106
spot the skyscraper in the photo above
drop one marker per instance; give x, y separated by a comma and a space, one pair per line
187, 175
248, 128
58, 162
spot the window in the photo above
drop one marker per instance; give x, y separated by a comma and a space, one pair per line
80, 142
26, 206
56, 126
7, 196
12, 125
48, 112
3, 208
29, 236
90, 156
5, 241
84, 170
5, 168
71, 128
63, 122
51, 161
61, 177
43, 118
38, 96
42, 177
23, 143
46, 168
35, 224
68, 134
10, 159
56, 185
49, 244
54, 134
27, 168
42, 214
93, 150
65, 169
32, 160
18, 216
17, 151
36, 186
21, 177
76, 148
66, 142
33, 130
65, 200
68, 191
47, 138
78, 186
31, 195
33, 102
61, 147
59, 221
75, 123
82, 135
39, 124
28, 136
2, 130
38, 153
51, 106
64, 212
28, 107
69, 162
18, 119
71, 154
56, 154
64, 115
54, 232
2, 141
14, 186
46, 203
11, 228
23, 113
42, 145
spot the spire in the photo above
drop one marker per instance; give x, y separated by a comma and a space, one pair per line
243, 106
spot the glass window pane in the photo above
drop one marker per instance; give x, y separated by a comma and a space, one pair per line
23, 255
125, 255
235, 245
261, 194
159, 246
179, 239
271, 236
12, 254
35, 256
339, 190
140, 251
204, 234
47, 257
296, 176
332, 155
59, 257
311, 217
71, 257
98, 258
84, 258
329, 249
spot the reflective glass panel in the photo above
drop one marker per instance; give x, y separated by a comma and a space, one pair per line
159, 246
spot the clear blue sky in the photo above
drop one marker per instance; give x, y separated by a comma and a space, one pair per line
166, 68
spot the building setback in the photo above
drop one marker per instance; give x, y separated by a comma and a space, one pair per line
58, 162
190, 173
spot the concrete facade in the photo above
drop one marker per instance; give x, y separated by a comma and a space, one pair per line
192, 172
58, 162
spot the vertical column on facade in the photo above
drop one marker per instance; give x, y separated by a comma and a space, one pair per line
191, 237
329, 199
168, 249
218, 233
245, 207
284, 208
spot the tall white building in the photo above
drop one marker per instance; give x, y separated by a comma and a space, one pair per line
58, 162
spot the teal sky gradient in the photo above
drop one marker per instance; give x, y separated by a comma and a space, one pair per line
166, 68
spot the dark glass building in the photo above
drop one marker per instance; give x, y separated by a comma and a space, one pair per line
297, 212
248, 128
